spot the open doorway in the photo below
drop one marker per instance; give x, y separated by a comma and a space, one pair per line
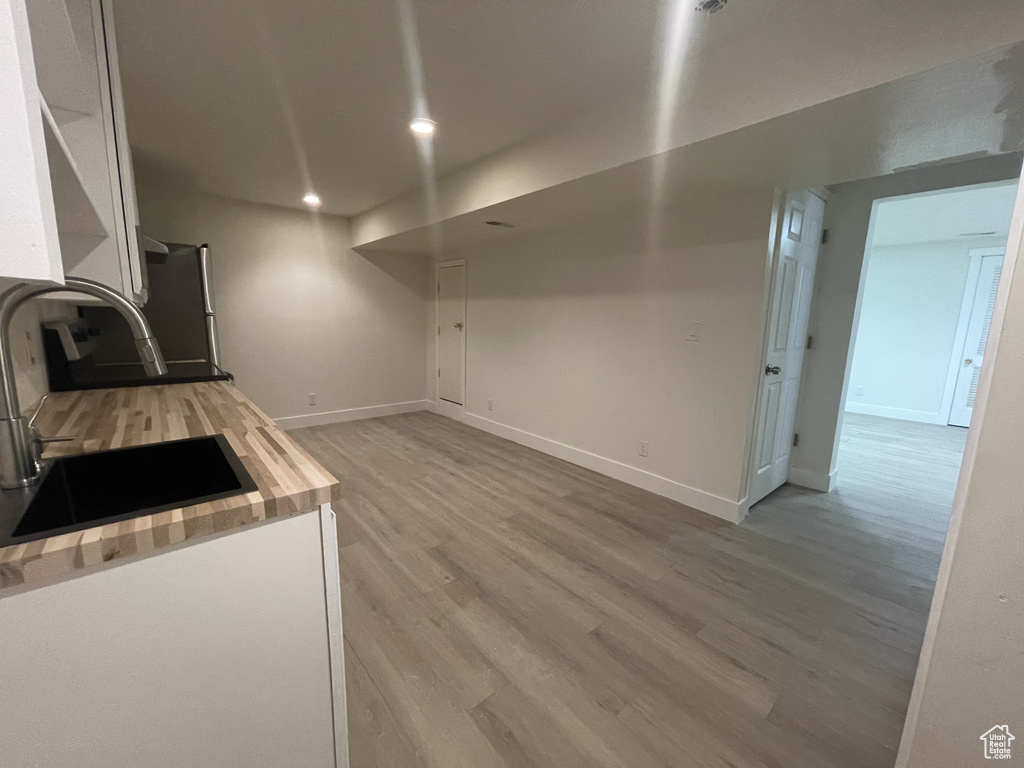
931, 270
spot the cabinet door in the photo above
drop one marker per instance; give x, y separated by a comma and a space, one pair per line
210, 654
119, 154
31, 246
98, 144
93, 193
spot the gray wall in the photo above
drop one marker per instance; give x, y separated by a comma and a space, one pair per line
298, 311
576, 339
910, 310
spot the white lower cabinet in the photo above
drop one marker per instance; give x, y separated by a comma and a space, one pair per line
227, 652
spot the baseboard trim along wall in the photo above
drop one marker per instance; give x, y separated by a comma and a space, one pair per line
716, 506
904, 414
352, 414
816, 481
733, 511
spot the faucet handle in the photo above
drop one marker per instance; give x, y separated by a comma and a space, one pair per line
37, 436
39, 444
35, 413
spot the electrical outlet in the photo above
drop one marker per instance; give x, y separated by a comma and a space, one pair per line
643, 447
490, 405
859, 392
312, 398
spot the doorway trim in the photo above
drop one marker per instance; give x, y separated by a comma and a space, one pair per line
444, 407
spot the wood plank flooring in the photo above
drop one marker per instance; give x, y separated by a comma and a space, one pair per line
505, 608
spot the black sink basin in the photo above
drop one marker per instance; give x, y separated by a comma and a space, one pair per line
92, 489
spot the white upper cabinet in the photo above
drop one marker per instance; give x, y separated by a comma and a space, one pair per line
28, 225
63, 85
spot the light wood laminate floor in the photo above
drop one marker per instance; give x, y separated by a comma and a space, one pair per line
505, 608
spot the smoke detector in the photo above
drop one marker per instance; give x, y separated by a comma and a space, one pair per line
710, 6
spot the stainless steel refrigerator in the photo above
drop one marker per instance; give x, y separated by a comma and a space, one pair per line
97, 349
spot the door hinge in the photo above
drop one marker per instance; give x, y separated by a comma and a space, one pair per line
824, 236
438, 371
810, 340
796, 440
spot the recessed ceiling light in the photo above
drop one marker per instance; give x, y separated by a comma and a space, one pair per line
423, 126
710, 6
312, 200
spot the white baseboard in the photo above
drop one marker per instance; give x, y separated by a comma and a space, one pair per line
904, 414
449, 409
809, 478
733, 511
351, 414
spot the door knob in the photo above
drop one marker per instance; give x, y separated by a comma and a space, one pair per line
772, 369
458, 325
968, 361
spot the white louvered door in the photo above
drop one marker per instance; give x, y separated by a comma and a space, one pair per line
973, 353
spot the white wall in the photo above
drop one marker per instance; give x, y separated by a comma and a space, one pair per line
910, 307
27, 346
972, 664
579, 338
835, 309
27, 352
298, 311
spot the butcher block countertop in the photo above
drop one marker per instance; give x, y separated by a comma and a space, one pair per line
289, 480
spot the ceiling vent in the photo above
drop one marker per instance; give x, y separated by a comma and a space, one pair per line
496, 223
710, 6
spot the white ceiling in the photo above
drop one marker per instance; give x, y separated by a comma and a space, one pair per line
238, 97
959, 215
210, 87
947, 114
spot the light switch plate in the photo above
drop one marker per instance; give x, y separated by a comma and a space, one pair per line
694, 334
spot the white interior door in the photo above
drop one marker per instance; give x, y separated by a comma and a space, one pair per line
451, 328
792, 284
973, 352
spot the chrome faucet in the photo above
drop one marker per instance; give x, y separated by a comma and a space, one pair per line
19, 465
